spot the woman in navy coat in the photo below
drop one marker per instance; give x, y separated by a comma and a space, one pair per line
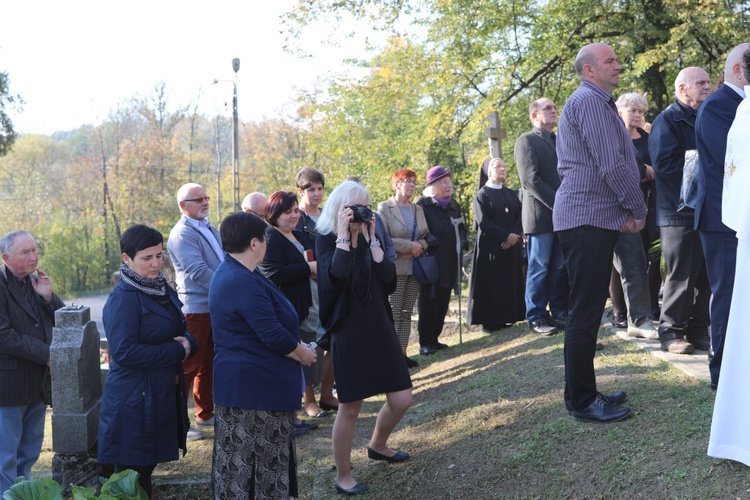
257, 370
143, 419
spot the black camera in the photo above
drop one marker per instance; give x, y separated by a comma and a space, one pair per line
362, 213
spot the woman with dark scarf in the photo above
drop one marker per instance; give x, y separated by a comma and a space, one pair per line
439, 210
143, 419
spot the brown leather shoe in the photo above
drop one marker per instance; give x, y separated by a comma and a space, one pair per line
678, 346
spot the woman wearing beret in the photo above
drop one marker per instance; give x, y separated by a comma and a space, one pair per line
440, 209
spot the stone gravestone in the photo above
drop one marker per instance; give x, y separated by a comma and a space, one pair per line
76, 397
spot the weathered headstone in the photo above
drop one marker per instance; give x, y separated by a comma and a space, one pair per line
76, 396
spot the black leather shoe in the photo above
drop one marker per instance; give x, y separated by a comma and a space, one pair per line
427, 350
541, 327
354, 490
702, 344
614, 399
619, 320
559, 322
400, 456
410, 363
599, 412
439, 346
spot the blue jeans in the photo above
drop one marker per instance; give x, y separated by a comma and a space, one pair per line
630, 262
544, 277
21, 436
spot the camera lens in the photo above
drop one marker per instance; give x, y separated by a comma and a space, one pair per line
361, 213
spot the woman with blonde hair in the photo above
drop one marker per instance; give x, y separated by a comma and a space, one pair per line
354, 281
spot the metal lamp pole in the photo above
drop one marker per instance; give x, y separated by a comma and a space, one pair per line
236, 139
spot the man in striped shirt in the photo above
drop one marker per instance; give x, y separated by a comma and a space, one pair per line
599, 196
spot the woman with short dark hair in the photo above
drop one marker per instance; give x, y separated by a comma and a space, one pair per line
143, 419
257, 375
290, 264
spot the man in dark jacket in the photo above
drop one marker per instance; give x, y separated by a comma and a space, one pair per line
27, 315
536, 160
684, 321
719, 242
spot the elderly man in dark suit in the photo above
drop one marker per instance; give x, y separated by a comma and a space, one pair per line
719, 242
684, 320
27, 315
537, 167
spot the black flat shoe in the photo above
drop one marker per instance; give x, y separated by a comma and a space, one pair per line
410, 363
427, 350
354, 490
326, 406
599, 412
400, 456
439, 346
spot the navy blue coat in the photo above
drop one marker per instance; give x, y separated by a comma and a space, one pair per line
715, 117
143, 419
255, 327
672, 133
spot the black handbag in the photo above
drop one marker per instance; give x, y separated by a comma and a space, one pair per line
426, 270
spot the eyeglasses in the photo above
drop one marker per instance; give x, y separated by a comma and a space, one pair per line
200, 200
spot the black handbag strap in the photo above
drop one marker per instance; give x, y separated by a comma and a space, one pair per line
414, 226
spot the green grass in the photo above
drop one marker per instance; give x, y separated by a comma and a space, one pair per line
488, 421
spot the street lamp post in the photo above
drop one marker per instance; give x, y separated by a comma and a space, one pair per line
236, 140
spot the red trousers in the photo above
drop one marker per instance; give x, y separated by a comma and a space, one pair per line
199, 370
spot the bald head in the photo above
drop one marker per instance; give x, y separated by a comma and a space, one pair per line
733, 68
692, 86
597, 64
256, 203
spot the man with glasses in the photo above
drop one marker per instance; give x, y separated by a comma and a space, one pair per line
195, 249
536, 160
684, 320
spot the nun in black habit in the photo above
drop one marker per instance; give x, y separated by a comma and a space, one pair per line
496, 289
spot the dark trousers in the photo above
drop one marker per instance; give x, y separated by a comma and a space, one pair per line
588, 253
720, 250
432, 311
684, 309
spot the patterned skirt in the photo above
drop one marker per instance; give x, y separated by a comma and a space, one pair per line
254, 454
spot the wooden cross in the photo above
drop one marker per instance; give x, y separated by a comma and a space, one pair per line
495, 134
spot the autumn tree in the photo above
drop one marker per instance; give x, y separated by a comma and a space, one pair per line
7, 100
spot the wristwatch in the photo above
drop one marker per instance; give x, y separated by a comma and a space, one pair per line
374, 244
342, 240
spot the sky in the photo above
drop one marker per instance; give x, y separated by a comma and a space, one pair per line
73, 62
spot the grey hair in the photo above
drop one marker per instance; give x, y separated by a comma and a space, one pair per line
631, 99
346, 193
6, 242
184, 189
585, 56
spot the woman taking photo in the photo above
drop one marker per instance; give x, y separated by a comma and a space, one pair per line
404, 221
496, 292
290, 264
257, 375
439, 208
354, 281
144, 419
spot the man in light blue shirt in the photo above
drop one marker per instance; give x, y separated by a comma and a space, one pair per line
195, 249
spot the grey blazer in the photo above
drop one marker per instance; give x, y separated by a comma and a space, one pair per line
395, 226
24, 344
536, 160
194, 263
